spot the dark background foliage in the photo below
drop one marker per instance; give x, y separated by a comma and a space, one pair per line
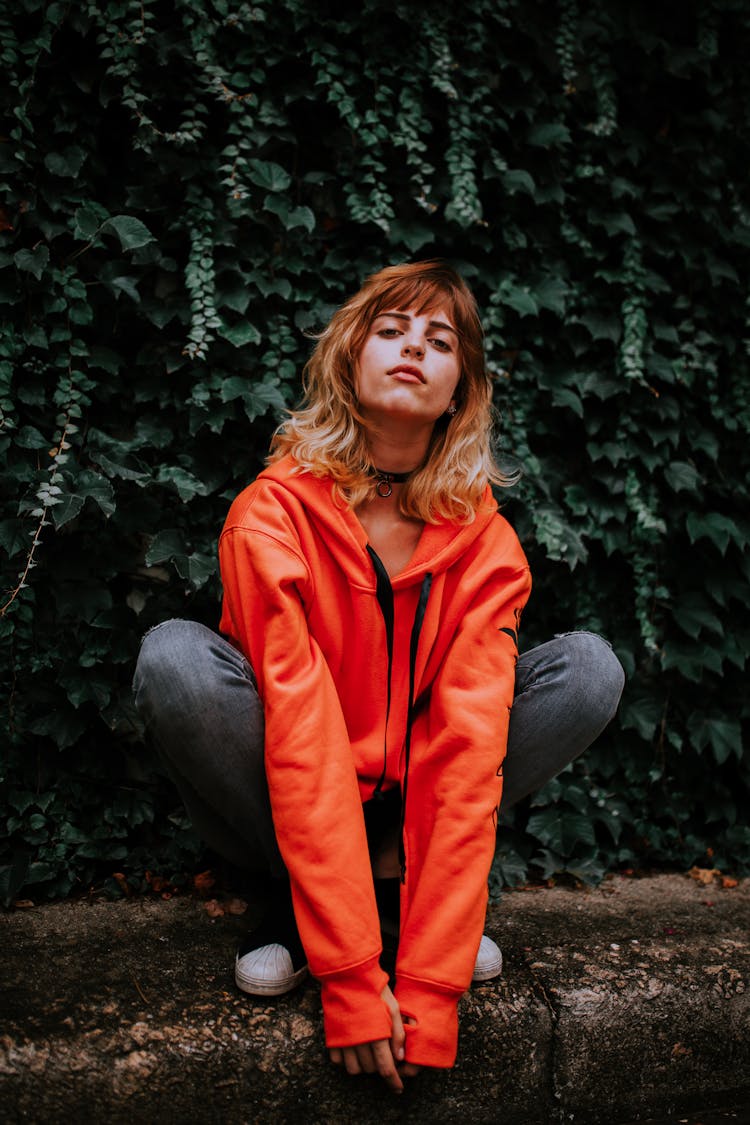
187, 188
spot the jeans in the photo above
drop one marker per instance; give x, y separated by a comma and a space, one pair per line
197, 696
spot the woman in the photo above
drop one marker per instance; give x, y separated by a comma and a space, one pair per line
372, 597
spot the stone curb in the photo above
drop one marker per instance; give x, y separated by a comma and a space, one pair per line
627, 1002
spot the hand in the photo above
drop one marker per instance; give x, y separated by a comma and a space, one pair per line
382, 1055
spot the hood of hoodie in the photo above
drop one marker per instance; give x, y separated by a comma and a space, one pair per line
439, 546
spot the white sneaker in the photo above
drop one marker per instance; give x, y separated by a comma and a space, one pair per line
268, 971
271, 960
489, 962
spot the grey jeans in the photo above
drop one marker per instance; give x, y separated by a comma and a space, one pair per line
196, 694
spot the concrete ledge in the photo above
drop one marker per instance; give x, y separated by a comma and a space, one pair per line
627, 1002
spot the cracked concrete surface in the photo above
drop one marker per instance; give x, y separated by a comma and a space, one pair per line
627, 1002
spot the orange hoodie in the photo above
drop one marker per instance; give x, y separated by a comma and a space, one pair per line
312, 608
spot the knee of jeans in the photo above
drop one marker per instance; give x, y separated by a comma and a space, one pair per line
594, 663
164, 657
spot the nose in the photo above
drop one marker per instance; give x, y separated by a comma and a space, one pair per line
413, 346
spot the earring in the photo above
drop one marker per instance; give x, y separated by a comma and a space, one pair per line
452, 409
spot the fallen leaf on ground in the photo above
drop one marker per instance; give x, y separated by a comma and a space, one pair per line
235, 906
204, 881
704, 875
122, 883
157, 882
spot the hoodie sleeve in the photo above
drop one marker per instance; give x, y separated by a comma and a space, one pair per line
312, 781
455, 780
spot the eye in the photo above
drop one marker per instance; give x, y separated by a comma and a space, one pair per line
440, 344
389, 333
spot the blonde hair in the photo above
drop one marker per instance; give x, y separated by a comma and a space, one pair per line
326, 435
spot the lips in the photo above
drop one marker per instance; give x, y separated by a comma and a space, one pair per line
407, 369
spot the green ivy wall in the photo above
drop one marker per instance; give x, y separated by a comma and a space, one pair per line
186, 188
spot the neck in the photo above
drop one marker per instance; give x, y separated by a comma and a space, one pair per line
397, 453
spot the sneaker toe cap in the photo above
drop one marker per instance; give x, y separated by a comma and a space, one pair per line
489, 962
267, 971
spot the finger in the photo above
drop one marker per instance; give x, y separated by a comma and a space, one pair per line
351, 1062
365, 1057
335, 1055
385, 1065
398, 1035
409, 1070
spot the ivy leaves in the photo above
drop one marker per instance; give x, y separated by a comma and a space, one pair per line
179, 211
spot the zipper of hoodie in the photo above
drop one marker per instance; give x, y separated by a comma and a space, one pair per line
416, 630
384, 595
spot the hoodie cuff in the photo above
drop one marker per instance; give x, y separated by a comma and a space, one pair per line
353, 1009
433, 1039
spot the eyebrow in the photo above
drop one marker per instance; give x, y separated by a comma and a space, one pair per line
432, 324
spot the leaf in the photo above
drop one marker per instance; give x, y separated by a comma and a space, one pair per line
602, 326
131, 232
412, 234
66, 163
94, 486
681, 475
32, 261
617, 223
21, 801
185, 482
197, 568
69, 507
547, 134
169, 546
703, 875
29, 437
714, 526
89, 218
562, 396
516, 179
509, 867
237, 906
550, 293
204, 881
561, 830
260, 398
723, 735
267, 175
240, 334
643, 714
63, 726
13, 876
164, 545
691, 660
301, 217
87, 485
122, 283
692, 613
521, 300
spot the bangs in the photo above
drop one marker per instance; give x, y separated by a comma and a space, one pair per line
420, 294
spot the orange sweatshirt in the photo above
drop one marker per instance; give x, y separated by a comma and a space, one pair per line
311, 607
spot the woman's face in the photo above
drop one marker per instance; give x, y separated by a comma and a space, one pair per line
408, 368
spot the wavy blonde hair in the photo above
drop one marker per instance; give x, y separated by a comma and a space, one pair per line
327, 437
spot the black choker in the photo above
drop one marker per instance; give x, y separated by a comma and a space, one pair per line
386, 481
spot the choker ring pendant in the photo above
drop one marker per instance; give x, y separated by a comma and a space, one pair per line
386, 480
